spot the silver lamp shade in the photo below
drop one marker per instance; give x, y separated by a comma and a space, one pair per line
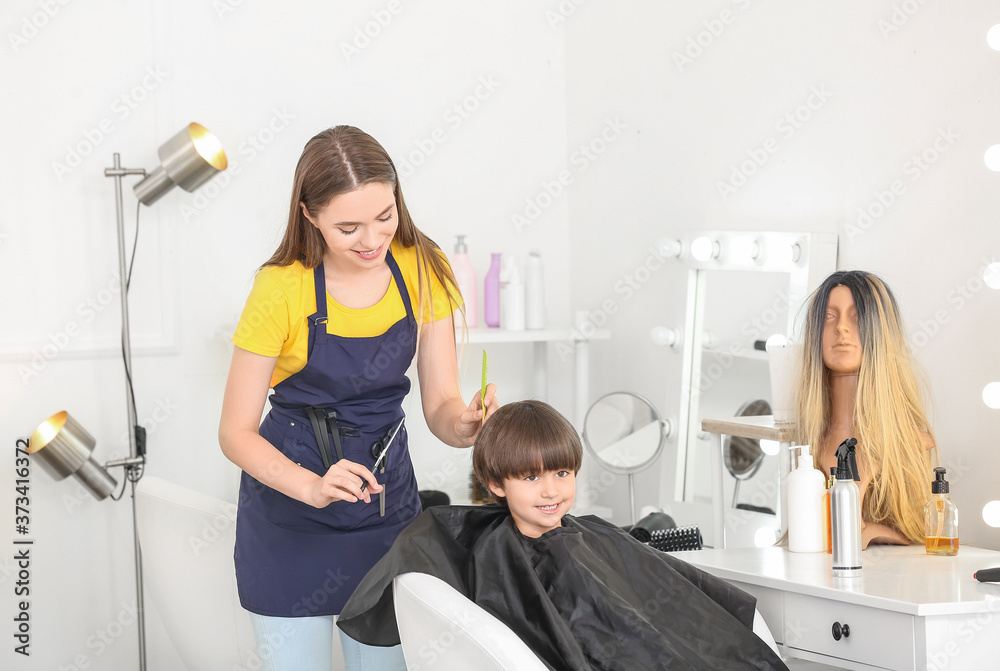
63, 448
188, 160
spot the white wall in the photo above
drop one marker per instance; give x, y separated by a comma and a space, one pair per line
701, 88
443, 87
605, 77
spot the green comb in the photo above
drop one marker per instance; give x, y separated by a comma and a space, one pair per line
482, 396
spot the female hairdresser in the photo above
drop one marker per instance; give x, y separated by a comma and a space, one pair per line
858, 381
332, 323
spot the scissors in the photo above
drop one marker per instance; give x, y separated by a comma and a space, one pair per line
381, 456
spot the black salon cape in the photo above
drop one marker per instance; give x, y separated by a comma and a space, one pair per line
583, 596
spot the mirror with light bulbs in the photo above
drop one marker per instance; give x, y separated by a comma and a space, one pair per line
742, 288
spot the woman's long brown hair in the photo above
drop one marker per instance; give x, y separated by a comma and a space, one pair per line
339, 160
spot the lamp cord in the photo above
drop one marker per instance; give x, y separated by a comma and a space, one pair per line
128, 282
132, 473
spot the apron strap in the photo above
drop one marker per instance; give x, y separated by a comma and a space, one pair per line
398, 277
319, 280
317, 417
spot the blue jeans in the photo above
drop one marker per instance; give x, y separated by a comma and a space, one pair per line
306, 644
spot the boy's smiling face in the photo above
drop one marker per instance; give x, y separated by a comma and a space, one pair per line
538, 501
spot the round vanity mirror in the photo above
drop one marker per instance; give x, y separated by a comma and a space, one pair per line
625, 434
743, 456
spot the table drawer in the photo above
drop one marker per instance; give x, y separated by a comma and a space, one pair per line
877, 637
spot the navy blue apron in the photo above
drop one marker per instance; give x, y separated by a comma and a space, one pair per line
294, 560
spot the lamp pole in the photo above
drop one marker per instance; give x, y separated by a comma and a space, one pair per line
133, 464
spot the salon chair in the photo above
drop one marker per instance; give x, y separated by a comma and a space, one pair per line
440, 628
187, 541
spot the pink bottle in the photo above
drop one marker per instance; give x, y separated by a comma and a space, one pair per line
491, 293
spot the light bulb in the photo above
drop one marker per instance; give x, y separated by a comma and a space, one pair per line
776, 340
991, 395
663, 336
702, 248
765, 537
991, 275
669, 248
992, 158
991, 513
993, 37
769, 447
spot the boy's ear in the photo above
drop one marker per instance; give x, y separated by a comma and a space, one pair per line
497, 490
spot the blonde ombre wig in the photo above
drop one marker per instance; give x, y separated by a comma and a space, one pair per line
889, 421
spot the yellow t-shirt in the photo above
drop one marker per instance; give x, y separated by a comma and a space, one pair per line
275, 319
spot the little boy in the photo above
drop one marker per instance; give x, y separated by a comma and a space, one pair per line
529, 460
580, 592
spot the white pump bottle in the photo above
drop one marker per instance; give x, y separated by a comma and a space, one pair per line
806, 487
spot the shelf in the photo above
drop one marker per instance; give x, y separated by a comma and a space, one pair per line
758, 427
498, 335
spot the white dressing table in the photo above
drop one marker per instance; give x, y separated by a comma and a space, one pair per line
909, 610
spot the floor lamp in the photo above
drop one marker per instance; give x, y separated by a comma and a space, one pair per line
62, 446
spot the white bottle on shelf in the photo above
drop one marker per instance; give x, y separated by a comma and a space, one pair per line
534, 292
511, 297
468, 285
806, 487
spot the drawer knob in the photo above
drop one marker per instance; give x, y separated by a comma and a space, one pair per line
841, 631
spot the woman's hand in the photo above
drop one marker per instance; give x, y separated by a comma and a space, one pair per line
342, 482
477, 412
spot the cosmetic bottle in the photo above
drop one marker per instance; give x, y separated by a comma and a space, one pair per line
845, 513
491, 293
826, 510
468, 285
511, 296
806, 487
940, 518
534, 292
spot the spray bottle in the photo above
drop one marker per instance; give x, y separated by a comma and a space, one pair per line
827, 534
845, 513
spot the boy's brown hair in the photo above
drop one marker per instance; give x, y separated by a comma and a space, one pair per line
525, 437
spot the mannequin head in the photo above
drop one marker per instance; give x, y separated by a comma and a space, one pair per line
853, 327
